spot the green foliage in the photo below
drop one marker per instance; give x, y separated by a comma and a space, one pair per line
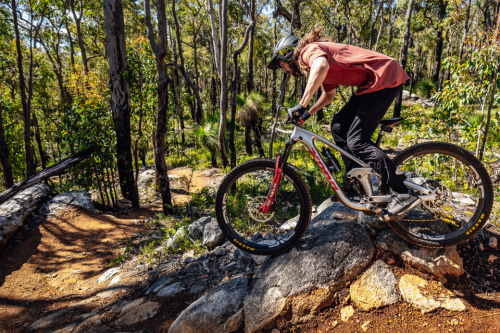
248, 108
425, 88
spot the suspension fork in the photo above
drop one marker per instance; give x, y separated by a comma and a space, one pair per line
278, 174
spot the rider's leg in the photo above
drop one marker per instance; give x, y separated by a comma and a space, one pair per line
340, 127
371, 109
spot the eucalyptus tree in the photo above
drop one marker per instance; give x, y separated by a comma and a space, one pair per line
120, 96
160, 49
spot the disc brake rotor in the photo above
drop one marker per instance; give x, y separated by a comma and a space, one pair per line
443, 197
253, 209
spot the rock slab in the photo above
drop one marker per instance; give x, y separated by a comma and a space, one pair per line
428, 296
376, 288
70, 199
46, 321
14, 211
445, 264
197, 228
217, 311
297, 284
137, 314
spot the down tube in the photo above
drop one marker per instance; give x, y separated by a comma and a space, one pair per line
326, 172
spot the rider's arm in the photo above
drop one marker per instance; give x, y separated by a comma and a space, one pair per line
317, 75
325, 99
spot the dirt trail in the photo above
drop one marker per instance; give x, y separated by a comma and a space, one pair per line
58, 262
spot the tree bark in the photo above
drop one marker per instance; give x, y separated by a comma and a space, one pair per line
30, 166
439, 40
160, 51
380, 10
248, 140
4, 154
120, 96
182, 67
43, 156
223, 82
78, 19
382, 21
234, 92
466, 30
488, 119
250, 78
404, 56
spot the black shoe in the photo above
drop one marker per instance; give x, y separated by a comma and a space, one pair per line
398, 205
349, 192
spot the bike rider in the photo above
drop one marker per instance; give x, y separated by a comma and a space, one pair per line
379, 79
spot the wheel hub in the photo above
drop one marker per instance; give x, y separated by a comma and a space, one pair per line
253, 209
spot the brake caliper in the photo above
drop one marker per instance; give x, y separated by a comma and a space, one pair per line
278, 173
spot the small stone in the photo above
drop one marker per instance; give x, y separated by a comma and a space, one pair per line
492, 258
275, 331
197, 288
493, 243
346, 313
454, 322
376, 288
220, 251
365, 326
116, 280
159, 284
77, 270
391, 261
335, 323
481, 246
108, 275
172, 290
188, 257
212, 235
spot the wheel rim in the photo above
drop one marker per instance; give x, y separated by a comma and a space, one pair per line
243, 197
461, 195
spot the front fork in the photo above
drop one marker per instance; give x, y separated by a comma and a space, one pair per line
278, 174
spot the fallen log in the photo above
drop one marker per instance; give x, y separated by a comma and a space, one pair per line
16, 210
53, 170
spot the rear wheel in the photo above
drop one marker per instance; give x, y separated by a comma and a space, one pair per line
240, 195
465, 195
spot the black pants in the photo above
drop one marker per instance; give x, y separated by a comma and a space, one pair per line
354, 125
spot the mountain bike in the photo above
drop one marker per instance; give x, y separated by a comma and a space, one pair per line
263, 206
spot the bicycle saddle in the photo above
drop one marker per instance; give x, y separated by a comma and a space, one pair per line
391, 122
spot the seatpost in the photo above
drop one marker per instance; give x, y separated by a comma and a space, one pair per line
379, 138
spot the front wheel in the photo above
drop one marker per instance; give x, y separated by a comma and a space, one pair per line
465, 195
241, 193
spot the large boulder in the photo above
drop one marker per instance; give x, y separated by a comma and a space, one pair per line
220, 310
406, 95
297, 284
70, 199
376, 288
445, 264
14, 211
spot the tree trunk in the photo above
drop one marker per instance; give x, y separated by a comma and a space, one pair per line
30, 166
248, 140
439, 41
250, 78
488, 119
120, 96
43, 155
160, 50
466, 30
15, 211
223, 82
404, 56
381, 28
4, 154
275, 76
258, 139
79, 37
380, 10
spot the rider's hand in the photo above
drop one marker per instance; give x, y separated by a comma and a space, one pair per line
297, 115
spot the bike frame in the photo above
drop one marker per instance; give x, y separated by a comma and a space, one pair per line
362, 174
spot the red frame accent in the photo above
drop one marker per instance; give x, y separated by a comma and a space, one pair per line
278, 173
318, 160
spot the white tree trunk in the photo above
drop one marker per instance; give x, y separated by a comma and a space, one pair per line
14, 211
